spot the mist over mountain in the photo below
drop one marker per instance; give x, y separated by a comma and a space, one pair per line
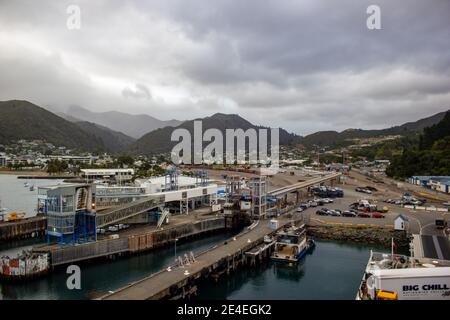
132, 125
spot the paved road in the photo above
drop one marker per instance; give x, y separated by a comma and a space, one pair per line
437, 247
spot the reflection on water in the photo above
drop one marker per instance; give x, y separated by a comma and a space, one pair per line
290, 271
332, 271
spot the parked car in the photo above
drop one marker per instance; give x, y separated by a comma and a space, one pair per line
363, 215
371, 188
440, 223
363, 190
348, 213
313, 204
339, 193
304, 206
378, 215
383, 210
335, 213
321, 213
300, 209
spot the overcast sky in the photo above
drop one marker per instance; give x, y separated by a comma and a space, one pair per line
302, 65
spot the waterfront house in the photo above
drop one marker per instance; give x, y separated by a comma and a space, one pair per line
3, 160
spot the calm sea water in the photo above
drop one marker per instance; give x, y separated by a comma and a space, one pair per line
332, 271
16, 197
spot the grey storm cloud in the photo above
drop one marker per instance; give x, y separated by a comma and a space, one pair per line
305, 65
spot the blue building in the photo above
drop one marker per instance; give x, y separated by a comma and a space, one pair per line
420, 180
438, 183
70, 212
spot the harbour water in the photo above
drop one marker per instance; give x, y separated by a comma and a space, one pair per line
332, 272
101, 276
15, 197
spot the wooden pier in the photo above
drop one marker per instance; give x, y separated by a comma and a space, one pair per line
180, 282
130, 242
23, 228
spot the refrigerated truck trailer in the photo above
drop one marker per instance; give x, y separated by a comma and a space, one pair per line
412, 284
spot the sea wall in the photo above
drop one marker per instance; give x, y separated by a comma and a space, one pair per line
360, 234
24, 228
131, 243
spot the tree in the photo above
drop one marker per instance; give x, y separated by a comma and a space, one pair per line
125, 161
56, 166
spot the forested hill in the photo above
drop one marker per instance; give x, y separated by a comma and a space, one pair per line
429, 156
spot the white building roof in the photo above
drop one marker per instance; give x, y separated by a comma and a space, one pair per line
401, 216
106, 171
161, 181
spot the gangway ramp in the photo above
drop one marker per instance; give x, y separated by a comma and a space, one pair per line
118, 214
303, 184
431, 246
163, 217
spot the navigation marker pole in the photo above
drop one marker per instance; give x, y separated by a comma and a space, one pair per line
392, 248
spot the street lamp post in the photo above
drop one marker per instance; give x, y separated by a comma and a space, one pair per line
175, 248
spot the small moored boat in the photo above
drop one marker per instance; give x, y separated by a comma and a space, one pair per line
292, 244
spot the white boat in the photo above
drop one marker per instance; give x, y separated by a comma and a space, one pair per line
3, 212
32, 188
291, 244
398, 277
26, 184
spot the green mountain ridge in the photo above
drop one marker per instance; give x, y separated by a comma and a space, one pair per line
330, 138
159, 141
430, 155
24, 120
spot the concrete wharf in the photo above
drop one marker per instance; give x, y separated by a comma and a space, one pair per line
180, 282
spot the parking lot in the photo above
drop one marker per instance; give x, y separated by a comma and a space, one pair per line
343, 205
420, 222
